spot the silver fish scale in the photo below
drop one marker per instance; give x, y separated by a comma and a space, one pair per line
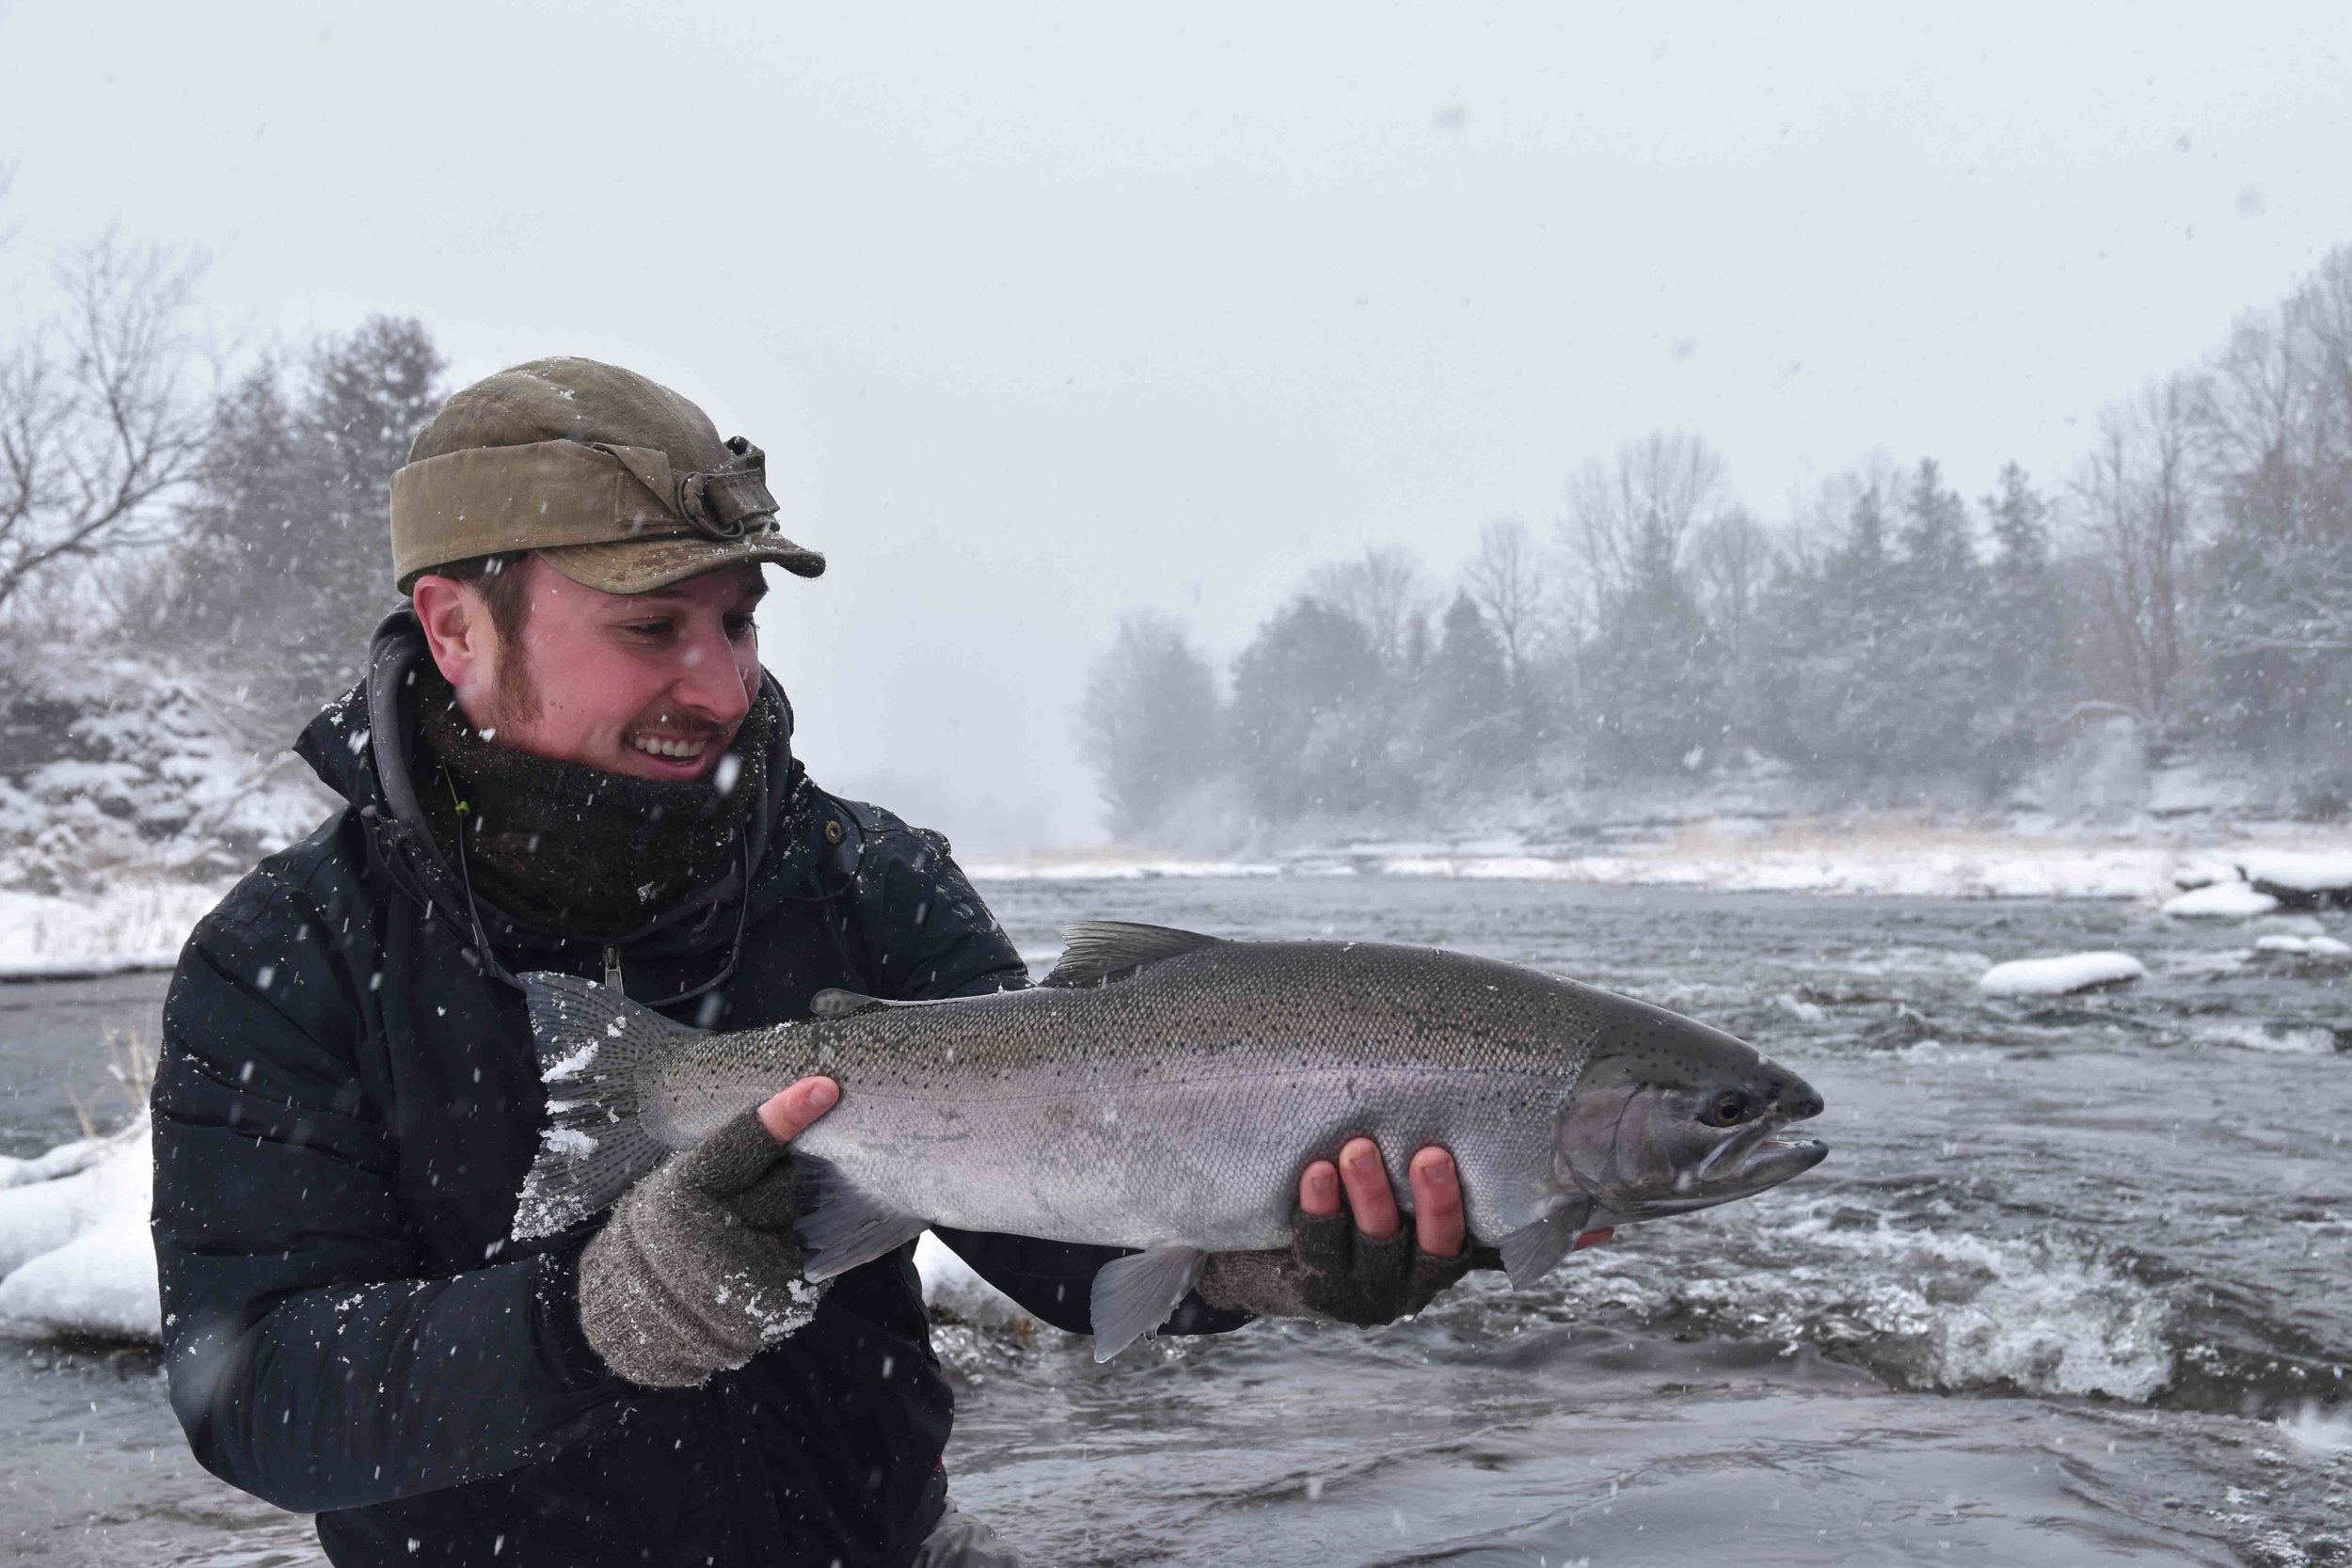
1178, 1104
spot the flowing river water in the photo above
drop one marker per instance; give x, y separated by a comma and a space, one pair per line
2075, 1285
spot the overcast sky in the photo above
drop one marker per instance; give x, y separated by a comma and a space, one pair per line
1043, 314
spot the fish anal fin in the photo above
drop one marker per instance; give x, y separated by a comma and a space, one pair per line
1101, 950
1135, 1295
1535, 1248
841, 1224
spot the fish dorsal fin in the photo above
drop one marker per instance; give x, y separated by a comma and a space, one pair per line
1102, 950
835, 1002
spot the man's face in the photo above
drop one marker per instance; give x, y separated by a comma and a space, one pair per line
654, 685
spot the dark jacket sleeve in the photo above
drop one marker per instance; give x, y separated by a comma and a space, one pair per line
312, 1360
930, 935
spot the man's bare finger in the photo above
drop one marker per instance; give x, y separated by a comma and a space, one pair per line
1319, 1188
1369, 1194
787, 1115
1436, 1203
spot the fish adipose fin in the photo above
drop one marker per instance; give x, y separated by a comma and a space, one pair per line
843, 1225
1104, 950
835, 1002
1134, 1296
592, 1043
1531, 1251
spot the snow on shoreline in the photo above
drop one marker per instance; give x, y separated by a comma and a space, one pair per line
77, 1257
130, 924
1927, 863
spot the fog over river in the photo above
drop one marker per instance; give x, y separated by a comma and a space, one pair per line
2073, 1285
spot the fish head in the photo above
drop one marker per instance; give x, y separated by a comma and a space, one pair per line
1669, 1115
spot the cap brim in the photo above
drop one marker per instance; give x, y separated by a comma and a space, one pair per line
641, 565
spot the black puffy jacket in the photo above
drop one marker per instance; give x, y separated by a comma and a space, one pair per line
345, 1107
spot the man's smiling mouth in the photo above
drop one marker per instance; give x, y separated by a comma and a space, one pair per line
671, 747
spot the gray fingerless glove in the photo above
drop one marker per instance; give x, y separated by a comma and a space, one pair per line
1333, 1271
698, 1268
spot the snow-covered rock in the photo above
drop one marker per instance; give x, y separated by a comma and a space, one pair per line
2221, 901
2301, 876
2060, 974
2309, 947
76, 1256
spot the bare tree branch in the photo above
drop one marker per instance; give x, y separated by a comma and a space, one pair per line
97, 424
1505, 579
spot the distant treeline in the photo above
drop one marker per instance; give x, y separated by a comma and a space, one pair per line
2192, 575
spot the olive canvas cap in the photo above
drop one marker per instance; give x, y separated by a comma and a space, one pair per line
618, 482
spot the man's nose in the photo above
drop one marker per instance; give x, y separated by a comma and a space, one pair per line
709, 683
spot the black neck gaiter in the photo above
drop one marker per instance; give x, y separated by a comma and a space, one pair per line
574, 848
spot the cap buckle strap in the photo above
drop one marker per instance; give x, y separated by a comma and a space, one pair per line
729, 503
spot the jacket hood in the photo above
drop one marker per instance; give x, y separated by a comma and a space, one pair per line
363, 746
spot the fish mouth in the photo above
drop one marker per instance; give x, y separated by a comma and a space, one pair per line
1755, 1160
1759, 1152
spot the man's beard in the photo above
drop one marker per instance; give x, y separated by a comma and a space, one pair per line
514, 695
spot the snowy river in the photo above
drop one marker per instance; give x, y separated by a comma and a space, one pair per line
2075, 1285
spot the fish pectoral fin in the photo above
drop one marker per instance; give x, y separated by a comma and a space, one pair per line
1532, 1250
1134, 1296
1102, 950
842, 1225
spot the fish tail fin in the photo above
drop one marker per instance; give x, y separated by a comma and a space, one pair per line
594, 1047
1135, 1295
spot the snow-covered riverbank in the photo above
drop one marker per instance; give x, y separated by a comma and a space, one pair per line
134, 922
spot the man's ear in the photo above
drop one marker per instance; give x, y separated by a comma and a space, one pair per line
457, 630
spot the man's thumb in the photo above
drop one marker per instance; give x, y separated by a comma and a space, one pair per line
788, 1114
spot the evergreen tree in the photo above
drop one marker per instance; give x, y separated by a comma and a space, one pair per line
287, 564
1310, 729
2022, 624
1469, 713
1150, 723
1654, 675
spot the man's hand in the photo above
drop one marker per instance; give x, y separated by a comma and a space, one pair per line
1437, 1198
1437, 1195
698, 1268
1361, 1270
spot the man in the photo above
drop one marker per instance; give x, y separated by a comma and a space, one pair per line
566, 756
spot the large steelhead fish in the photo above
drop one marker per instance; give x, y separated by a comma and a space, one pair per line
1163, 1090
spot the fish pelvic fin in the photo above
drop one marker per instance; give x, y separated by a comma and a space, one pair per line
1135, 1295
593, 1042
1534, 1249
1100, 950
842, 1225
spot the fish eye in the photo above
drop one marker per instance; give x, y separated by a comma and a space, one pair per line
1728, 1109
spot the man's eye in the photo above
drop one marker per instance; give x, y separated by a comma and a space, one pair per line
649, 629
741, 626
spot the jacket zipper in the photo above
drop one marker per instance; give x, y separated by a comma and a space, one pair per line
612, 967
